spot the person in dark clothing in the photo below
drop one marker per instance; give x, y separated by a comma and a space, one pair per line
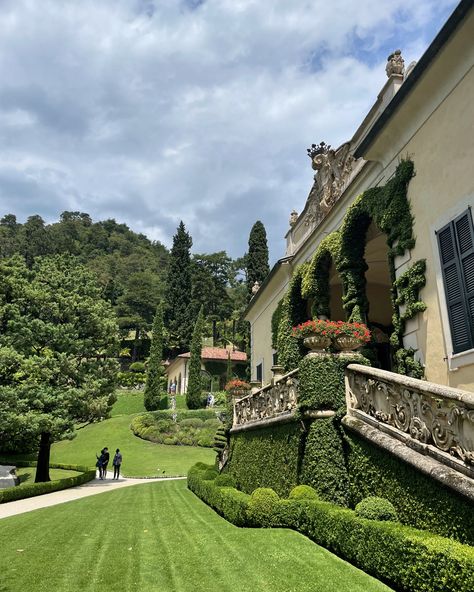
117, 462
98, 464
105, 461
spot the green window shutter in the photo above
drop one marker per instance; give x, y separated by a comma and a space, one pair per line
456, 246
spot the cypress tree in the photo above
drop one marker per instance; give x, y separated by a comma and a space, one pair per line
178, 315
155, 371
193, 392
257, 256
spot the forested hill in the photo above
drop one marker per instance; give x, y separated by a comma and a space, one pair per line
130, 268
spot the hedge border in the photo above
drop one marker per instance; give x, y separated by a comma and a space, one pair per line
407, 559
11, 494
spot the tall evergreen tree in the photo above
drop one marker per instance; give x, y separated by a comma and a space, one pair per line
155, 371
257, 256
193, 392
178, 315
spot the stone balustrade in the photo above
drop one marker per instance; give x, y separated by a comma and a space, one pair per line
276, 401
434, 420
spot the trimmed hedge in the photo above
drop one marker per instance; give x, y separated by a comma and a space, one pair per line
376, 508
227, 501
324, 465
303, 492
262, 506
409, 560
419, 500
321, 381
266, 458
85, 474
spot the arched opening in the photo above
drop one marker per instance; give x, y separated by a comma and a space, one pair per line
378, 292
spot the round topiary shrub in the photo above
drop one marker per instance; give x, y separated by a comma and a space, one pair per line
262, 505
376, 508
210, 475
171, 441
224, 480
137, 367
304, 492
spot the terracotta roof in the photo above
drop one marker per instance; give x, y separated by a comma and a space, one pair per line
218, 353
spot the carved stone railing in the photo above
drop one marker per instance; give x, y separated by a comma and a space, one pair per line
435, 420
273, 403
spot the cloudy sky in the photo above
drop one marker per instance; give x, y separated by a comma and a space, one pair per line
155, 111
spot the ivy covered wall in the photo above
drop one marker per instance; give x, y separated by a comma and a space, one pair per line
389, 209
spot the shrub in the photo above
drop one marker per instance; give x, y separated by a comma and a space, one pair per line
304, 492
376, 508
224, 480
262, 506
210, 474
192, 422
170, 441
137, 367
212, 423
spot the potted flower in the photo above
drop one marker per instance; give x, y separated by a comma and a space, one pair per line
316, 335
349, 336
237, 388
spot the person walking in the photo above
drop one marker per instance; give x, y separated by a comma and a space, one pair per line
105, 461
99, 463
117, 462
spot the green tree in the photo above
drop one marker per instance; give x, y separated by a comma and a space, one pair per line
178, 314
210, 282
194, 390
257, 256
57, 336
155, 372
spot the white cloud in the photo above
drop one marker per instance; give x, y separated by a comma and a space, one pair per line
155, 111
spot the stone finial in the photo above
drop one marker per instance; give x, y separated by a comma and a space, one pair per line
255, 288
395, 64
293, 218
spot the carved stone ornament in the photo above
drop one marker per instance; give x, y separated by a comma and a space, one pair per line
293, 218
395, 64
333, 168
269, 402
255, 288
444, 422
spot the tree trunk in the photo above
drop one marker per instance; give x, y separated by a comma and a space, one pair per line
135, 344
42, 467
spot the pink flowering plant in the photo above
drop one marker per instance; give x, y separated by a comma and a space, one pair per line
332, 329
237, 385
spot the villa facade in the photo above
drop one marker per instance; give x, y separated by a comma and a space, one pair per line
414, 280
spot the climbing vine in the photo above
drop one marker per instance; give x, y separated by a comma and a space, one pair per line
388, 208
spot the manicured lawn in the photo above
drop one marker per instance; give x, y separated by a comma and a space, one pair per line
160, 537
140, 457
128, 402
27, 474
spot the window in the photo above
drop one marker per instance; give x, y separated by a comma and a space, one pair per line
259, 372
456, 247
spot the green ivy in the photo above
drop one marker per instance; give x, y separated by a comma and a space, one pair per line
293, 311
419, 500
267, 457
323, 464
321, 381
276, 318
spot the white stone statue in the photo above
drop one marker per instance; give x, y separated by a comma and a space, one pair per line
255, 288
293, 218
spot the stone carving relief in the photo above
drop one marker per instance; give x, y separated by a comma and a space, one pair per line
269, 402
395, 64
293, 218
445, 423
333, 168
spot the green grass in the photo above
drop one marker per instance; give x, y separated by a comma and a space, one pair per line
128, 402
140, 457
160, 537
27, 475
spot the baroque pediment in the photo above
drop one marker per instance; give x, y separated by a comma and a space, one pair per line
333, 169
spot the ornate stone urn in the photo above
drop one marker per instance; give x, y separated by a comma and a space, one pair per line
316, 344
347, 344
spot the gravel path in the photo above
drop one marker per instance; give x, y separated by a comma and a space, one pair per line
73, 493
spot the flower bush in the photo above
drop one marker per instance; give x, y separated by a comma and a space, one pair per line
237, 385
332, 329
